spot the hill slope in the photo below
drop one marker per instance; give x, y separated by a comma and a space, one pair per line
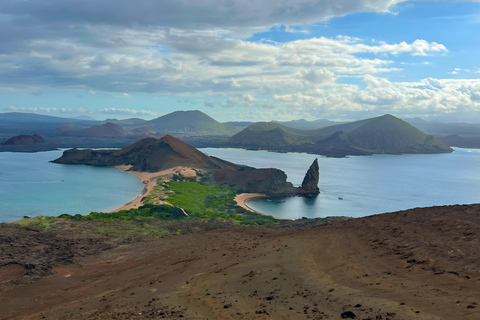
190, 123
385, 134
270, 134
388, 134
106, 130
148, 155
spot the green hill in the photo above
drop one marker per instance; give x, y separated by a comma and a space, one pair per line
190, 123
270, 134
385, 134
388, 134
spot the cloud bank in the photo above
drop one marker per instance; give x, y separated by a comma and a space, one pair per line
196, 48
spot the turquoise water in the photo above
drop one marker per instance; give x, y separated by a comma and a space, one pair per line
31, 186
367, 184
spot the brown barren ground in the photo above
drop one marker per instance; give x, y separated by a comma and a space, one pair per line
416, 264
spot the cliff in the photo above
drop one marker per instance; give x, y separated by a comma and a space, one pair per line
270, 181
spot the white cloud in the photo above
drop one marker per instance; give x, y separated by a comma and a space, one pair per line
193, 48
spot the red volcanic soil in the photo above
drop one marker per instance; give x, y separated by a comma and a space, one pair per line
414, 264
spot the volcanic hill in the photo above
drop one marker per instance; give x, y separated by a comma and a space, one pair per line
385, 134
186, 123
24, 140
151, 155
109, 129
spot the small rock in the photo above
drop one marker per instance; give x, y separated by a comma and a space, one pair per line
348, 314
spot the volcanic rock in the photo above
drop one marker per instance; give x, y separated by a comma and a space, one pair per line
270, 181
310, 181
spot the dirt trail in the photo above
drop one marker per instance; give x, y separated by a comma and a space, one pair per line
416, 264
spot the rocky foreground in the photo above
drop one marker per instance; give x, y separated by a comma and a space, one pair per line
415, 264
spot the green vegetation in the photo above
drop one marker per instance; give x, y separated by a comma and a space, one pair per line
200, 200
271, 134
119, 229
203, 200
163, 212
385, 134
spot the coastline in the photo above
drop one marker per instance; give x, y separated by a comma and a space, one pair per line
149, 180
242, 198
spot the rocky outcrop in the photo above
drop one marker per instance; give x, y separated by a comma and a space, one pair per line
270, 181
310, 181
24, 140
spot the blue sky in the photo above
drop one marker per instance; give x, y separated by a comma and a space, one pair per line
237, 60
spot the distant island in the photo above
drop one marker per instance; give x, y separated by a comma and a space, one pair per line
383, 134
24, 140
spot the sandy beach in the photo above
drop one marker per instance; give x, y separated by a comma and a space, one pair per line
149, 179
242, 199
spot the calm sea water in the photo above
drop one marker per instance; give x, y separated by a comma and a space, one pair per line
31, 186
367, 184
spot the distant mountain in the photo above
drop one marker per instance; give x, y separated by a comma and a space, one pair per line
385, 134
270, 134
239, 123
452, 140
131, 122
109, 129
24, 140
301, 124
190, 123
31, 117
388, 134
85, 117
307, 125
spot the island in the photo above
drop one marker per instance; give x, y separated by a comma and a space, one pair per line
151, 158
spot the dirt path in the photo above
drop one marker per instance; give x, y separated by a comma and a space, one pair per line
417, 264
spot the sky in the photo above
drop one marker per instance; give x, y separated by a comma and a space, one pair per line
242, 60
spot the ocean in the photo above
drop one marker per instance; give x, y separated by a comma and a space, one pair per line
32, 186
366, 185
352, 186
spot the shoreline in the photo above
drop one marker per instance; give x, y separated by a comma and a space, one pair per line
242, 199
149, 180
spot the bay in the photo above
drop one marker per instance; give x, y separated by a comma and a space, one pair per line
32, 186
367, 185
